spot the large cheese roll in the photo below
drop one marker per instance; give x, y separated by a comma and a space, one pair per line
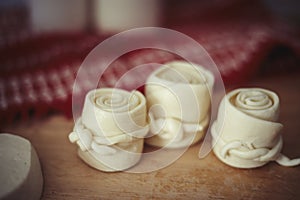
178, 100
111, 130
246, 133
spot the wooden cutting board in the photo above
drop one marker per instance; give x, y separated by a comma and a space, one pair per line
67, 177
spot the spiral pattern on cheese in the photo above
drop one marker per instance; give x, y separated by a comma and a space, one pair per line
246, 133
111, 129
258, 103
116, 102
178, 100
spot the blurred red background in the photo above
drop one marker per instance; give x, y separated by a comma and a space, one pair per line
42, 44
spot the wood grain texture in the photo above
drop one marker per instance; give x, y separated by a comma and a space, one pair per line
67, 177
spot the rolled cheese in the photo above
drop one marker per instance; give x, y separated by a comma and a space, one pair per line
110, 133
20, 170
246, 133
178, 99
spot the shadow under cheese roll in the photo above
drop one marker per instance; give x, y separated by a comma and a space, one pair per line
178, 100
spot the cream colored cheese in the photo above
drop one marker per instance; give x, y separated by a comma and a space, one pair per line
20, 170
246, 133
178, 100
110, 133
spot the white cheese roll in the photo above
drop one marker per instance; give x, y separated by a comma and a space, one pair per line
178, 99
246, 133
111, 130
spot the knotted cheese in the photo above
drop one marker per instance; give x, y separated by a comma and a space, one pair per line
111, 130
246, 133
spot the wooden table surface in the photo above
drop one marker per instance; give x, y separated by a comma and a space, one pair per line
67, 177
